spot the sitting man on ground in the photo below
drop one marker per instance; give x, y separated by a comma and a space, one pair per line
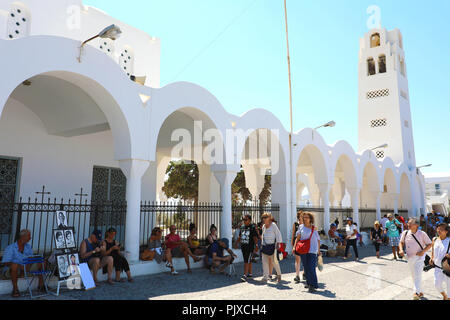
334, 235
91, 253
13, 258
217, 258
178, 249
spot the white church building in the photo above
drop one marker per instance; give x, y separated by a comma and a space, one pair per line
71, 121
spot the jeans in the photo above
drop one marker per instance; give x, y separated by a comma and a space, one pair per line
351, 242
309, 262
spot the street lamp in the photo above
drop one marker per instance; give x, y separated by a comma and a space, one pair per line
112, 32
425, 166
330, 124
380, 147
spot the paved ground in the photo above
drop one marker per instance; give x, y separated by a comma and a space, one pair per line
371, 278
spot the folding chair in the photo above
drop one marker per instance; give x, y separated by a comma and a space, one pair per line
31, 275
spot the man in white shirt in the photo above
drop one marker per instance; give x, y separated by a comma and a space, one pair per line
351, 234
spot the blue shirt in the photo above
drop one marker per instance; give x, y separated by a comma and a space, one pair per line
215, 248
392, 230
13, 255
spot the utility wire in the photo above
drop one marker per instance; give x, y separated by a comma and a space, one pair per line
213, 40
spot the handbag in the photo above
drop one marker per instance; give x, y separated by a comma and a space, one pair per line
267, 249
303, 246
148, 255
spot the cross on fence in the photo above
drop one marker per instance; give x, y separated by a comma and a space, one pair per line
81, 195
43, 193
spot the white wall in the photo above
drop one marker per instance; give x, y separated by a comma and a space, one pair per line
63, 165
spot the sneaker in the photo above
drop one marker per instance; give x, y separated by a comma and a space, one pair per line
174, 273
249, 275
169, 265
244, 278
297, 279
304, 277
416, 296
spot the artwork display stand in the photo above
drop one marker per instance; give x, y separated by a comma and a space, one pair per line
65, 241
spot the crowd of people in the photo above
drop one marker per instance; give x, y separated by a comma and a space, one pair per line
413, 239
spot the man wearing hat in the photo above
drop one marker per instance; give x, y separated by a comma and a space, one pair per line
94, 255
216, 256
352, 231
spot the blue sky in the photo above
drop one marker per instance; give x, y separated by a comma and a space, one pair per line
237, 50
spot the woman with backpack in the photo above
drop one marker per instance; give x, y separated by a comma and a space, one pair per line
297, 257
307, 246
271, 239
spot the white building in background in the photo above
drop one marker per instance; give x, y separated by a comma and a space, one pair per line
70, 125
437, 192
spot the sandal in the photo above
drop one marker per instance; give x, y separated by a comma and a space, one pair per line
120, 280
130, 280
110, 282
15, 293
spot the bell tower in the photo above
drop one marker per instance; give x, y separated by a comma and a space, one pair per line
384, 114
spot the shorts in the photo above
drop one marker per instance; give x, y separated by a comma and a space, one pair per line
177, 252
394, 241
247, 253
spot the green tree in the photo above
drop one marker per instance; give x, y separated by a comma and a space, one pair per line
182, 182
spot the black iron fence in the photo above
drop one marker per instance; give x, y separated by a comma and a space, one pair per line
165, 214
255, 210
40, 218
367, 216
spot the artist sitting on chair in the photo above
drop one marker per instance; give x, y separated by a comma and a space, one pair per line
13, 258
216, 257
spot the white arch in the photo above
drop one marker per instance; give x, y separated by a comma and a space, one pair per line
114, 93
189, 98
342, 152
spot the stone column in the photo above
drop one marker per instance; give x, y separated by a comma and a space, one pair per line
394, 197
325, 194
133, 170
225, 179
354, 195
377, 196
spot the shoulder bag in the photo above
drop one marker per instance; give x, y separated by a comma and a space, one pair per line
303, 246
427, 257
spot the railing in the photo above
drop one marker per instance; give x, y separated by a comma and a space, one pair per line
255, 210
367, 216
40, 218
165, 214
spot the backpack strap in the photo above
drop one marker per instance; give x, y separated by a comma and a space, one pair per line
414, 239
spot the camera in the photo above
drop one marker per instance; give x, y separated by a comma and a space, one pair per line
428, 268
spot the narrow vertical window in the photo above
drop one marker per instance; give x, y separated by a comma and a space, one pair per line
382, 63
370, 67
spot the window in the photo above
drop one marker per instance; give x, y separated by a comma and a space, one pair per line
9, 171
126, 60
370, 67
380, 154
377, 94
18, 22
382, 63
107, 46
375, 40
402, 66
378, 123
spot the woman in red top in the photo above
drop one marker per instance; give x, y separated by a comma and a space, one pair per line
178, 249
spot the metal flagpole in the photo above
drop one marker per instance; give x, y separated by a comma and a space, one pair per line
291, 203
